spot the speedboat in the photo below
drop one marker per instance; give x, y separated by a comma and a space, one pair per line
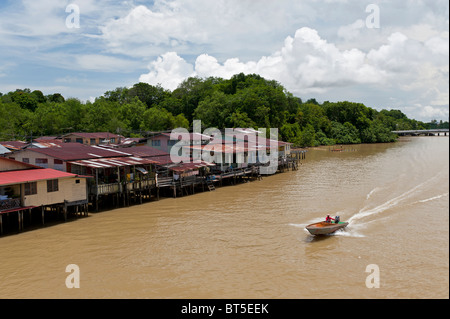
325, 228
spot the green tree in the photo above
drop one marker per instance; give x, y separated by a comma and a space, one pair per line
132, 114
157, 119
103, 116
213, 110
322, 139
180, 121
191, 92
308, 136
15, 122
120, 95
148, 94
239, 120
39, 96
290, 132
24, 99
315, 115
344, 133
56, 98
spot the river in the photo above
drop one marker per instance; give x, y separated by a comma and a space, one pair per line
249, 240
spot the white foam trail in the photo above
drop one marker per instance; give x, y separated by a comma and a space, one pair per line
298, 225
431, 198
376, 189
348, 233
385, 206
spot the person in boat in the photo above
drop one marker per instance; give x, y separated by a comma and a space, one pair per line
328, 219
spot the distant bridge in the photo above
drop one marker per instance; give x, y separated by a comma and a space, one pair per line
423, 132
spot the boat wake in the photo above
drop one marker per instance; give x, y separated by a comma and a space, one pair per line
431, 198
376, 189
362, 219
394, 202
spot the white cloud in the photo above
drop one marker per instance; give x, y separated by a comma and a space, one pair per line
416, 72
188, 26
429, 112
169, 70
98, 62
206, 65
351, 31
306, 63
146, 30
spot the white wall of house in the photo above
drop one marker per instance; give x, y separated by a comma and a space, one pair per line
68, 189
35, 157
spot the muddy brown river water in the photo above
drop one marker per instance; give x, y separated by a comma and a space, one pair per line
249, 240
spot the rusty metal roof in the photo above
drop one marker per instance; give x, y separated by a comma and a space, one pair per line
144, 151
77, 151
14, 145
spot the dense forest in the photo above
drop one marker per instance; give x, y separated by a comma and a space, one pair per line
243, 101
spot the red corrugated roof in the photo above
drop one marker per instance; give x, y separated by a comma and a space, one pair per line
31, 175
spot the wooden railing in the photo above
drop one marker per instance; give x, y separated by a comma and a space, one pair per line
114, 188
140, 185
105, 189
12, 203
165, 181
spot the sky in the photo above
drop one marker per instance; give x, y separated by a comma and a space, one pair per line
386, 54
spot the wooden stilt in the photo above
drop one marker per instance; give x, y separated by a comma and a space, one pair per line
19, 219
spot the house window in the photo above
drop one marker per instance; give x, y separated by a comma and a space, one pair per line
42, 162
113, 140
77, 181
93, 141
172, 142
31, 188
156, 143
58, 164
52, 185
26, 160
79, 140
